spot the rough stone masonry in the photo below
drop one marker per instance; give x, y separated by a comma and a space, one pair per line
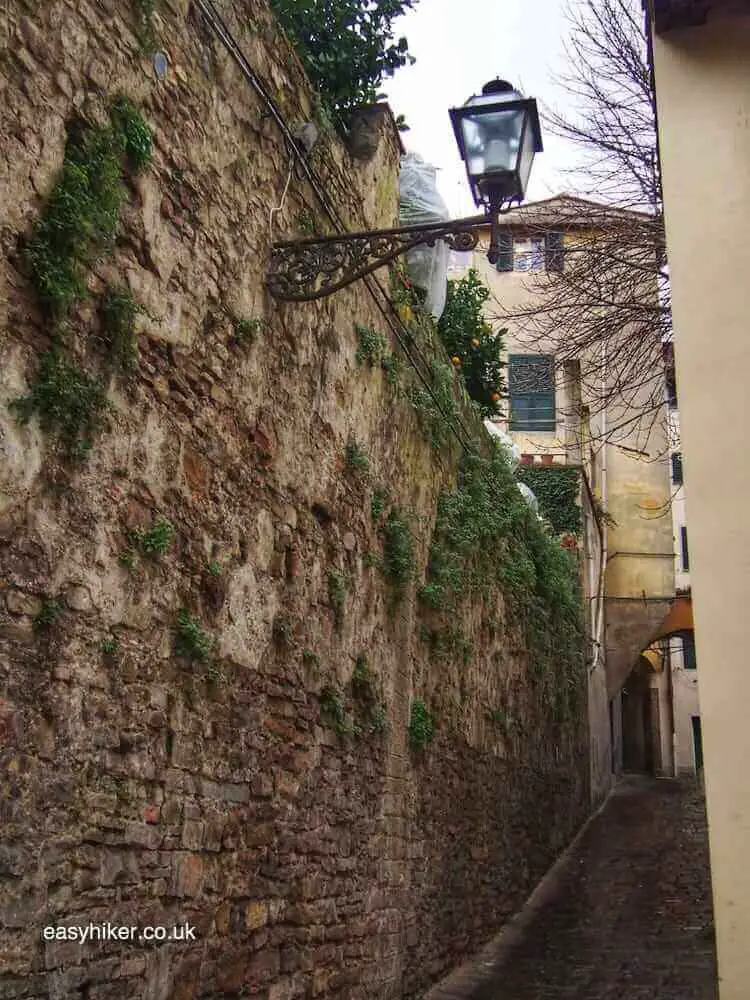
134, 789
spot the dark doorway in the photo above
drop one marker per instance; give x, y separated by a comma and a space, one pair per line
637, 726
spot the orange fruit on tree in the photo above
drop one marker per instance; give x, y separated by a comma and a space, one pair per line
456, 360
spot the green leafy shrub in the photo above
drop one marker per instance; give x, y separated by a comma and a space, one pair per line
80, 218
370, 346
381, 497
136, 136
398, 551
47, 614
246, 330
392, 366
332, 711
337, 587
437, 410
110, 645
421, 726
191, 641
469, 337
69, 404
158, 539
356, 460
346, 46
486, 536
118, 314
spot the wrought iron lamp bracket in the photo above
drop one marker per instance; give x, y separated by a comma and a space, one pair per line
304, 270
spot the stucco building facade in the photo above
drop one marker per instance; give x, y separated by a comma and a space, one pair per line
556, 415
701, 63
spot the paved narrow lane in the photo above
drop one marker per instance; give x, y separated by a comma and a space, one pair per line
630, 914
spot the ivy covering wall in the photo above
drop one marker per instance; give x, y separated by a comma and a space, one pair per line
557, 488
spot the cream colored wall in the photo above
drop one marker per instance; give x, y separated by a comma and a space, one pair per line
513, 289
686, 705
703, 93
641, 544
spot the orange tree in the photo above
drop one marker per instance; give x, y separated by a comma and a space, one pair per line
472, 343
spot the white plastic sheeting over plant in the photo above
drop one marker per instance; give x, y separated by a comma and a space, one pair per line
421, 204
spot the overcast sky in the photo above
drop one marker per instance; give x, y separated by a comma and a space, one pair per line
461, 44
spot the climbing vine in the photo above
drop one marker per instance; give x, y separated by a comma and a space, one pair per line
556, 487
487, 537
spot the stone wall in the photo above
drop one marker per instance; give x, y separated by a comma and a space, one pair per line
135, 787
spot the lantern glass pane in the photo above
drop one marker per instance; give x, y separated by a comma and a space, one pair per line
526, 158
492, 140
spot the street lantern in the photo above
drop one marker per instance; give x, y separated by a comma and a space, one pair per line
498, 134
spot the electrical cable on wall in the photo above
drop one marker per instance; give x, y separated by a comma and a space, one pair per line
377, 292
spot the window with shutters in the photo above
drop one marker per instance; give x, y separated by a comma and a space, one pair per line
531, 387
530, 253
677, 468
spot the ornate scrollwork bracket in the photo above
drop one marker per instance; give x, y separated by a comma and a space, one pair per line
303, 270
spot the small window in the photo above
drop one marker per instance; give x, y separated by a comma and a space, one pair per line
531, 387
505, 248
677, 468
684, 549
688, 652
528, 254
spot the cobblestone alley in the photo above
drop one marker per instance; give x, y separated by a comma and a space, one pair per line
627, 915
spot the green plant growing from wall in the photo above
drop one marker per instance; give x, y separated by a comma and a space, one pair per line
421, 726
337, 587
332, 712
447, 643
144, 12
47, 615
76, 227
487, 537
214, 569
356, 460
306, 222
557, 488
437, 410
135, 134
371, 346
80, 218
68, 402
392, 367
398, 551
347, 48
110, 645
118, 312
246, 330
158, 540
191, 641
470, 339
381, 497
